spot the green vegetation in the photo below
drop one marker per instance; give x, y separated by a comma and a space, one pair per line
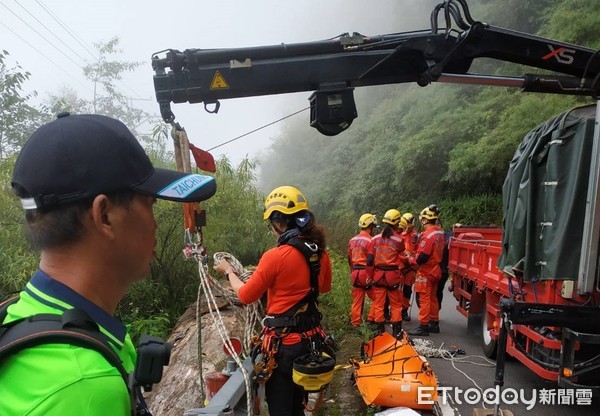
443, 144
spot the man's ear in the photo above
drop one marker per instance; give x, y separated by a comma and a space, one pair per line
101, 215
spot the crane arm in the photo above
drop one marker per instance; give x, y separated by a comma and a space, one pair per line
332, 68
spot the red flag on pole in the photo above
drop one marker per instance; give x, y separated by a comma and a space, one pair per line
204, 160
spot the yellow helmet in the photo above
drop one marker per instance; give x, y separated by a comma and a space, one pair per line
367, 219
407, 219
313, 372
285, 199
429, 213
392, 217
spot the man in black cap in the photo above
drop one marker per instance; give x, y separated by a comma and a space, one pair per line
87, 188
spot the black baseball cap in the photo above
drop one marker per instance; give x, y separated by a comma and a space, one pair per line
80, 156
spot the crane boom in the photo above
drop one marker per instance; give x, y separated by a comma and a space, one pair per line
340, 64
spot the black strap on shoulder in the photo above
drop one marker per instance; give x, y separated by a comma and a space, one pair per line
74, 327
312, 254
304, 314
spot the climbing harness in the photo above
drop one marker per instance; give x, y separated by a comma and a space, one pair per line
194, 220
302, 320
312, 371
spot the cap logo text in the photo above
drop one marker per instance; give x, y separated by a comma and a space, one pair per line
183, 187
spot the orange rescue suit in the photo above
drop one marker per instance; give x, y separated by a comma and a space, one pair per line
284, 275
428, 274
411, 241
357, 259
386, 275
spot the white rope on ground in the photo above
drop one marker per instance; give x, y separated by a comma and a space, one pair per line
427, 349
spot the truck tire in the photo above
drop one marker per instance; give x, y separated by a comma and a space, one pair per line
488, 344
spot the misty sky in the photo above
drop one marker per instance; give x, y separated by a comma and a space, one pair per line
148, 26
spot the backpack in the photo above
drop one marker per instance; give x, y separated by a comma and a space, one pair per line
73, 327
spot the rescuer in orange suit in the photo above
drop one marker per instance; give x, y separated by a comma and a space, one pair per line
427, 259
357, 260
410, 237
384, 260
289, 275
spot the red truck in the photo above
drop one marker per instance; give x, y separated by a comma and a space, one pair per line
541, 257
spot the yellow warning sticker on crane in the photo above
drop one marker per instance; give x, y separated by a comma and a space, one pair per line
218, 82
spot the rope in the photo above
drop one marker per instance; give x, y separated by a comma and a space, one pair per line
213, 308
426, 349
257, 129
199, 351
312, 404
254, 312
193, 249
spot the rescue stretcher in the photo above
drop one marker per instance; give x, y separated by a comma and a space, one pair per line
391, 372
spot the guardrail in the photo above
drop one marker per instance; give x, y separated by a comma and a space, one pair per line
228, 401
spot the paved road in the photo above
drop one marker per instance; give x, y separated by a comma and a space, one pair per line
517, 376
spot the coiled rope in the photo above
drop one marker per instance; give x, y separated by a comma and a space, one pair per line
427, 349
252, 313
205, 283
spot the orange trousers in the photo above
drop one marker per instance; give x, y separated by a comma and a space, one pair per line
358, 301
429, 308
380, 294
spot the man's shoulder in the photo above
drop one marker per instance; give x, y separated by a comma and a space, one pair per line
24, 305
27, 306
361, 237
55, 375
46, 368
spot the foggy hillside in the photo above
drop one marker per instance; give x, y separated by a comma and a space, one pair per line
412, 146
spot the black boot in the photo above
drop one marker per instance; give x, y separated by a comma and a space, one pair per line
387, 314
376, 327
405, 316
434, 327
420, 331
397, 330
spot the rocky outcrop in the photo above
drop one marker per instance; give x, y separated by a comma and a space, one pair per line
179, 388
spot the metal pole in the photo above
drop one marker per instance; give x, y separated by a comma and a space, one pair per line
475, 79
500, 360
591, 225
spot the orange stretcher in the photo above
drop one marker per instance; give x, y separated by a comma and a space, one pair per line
390, 373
